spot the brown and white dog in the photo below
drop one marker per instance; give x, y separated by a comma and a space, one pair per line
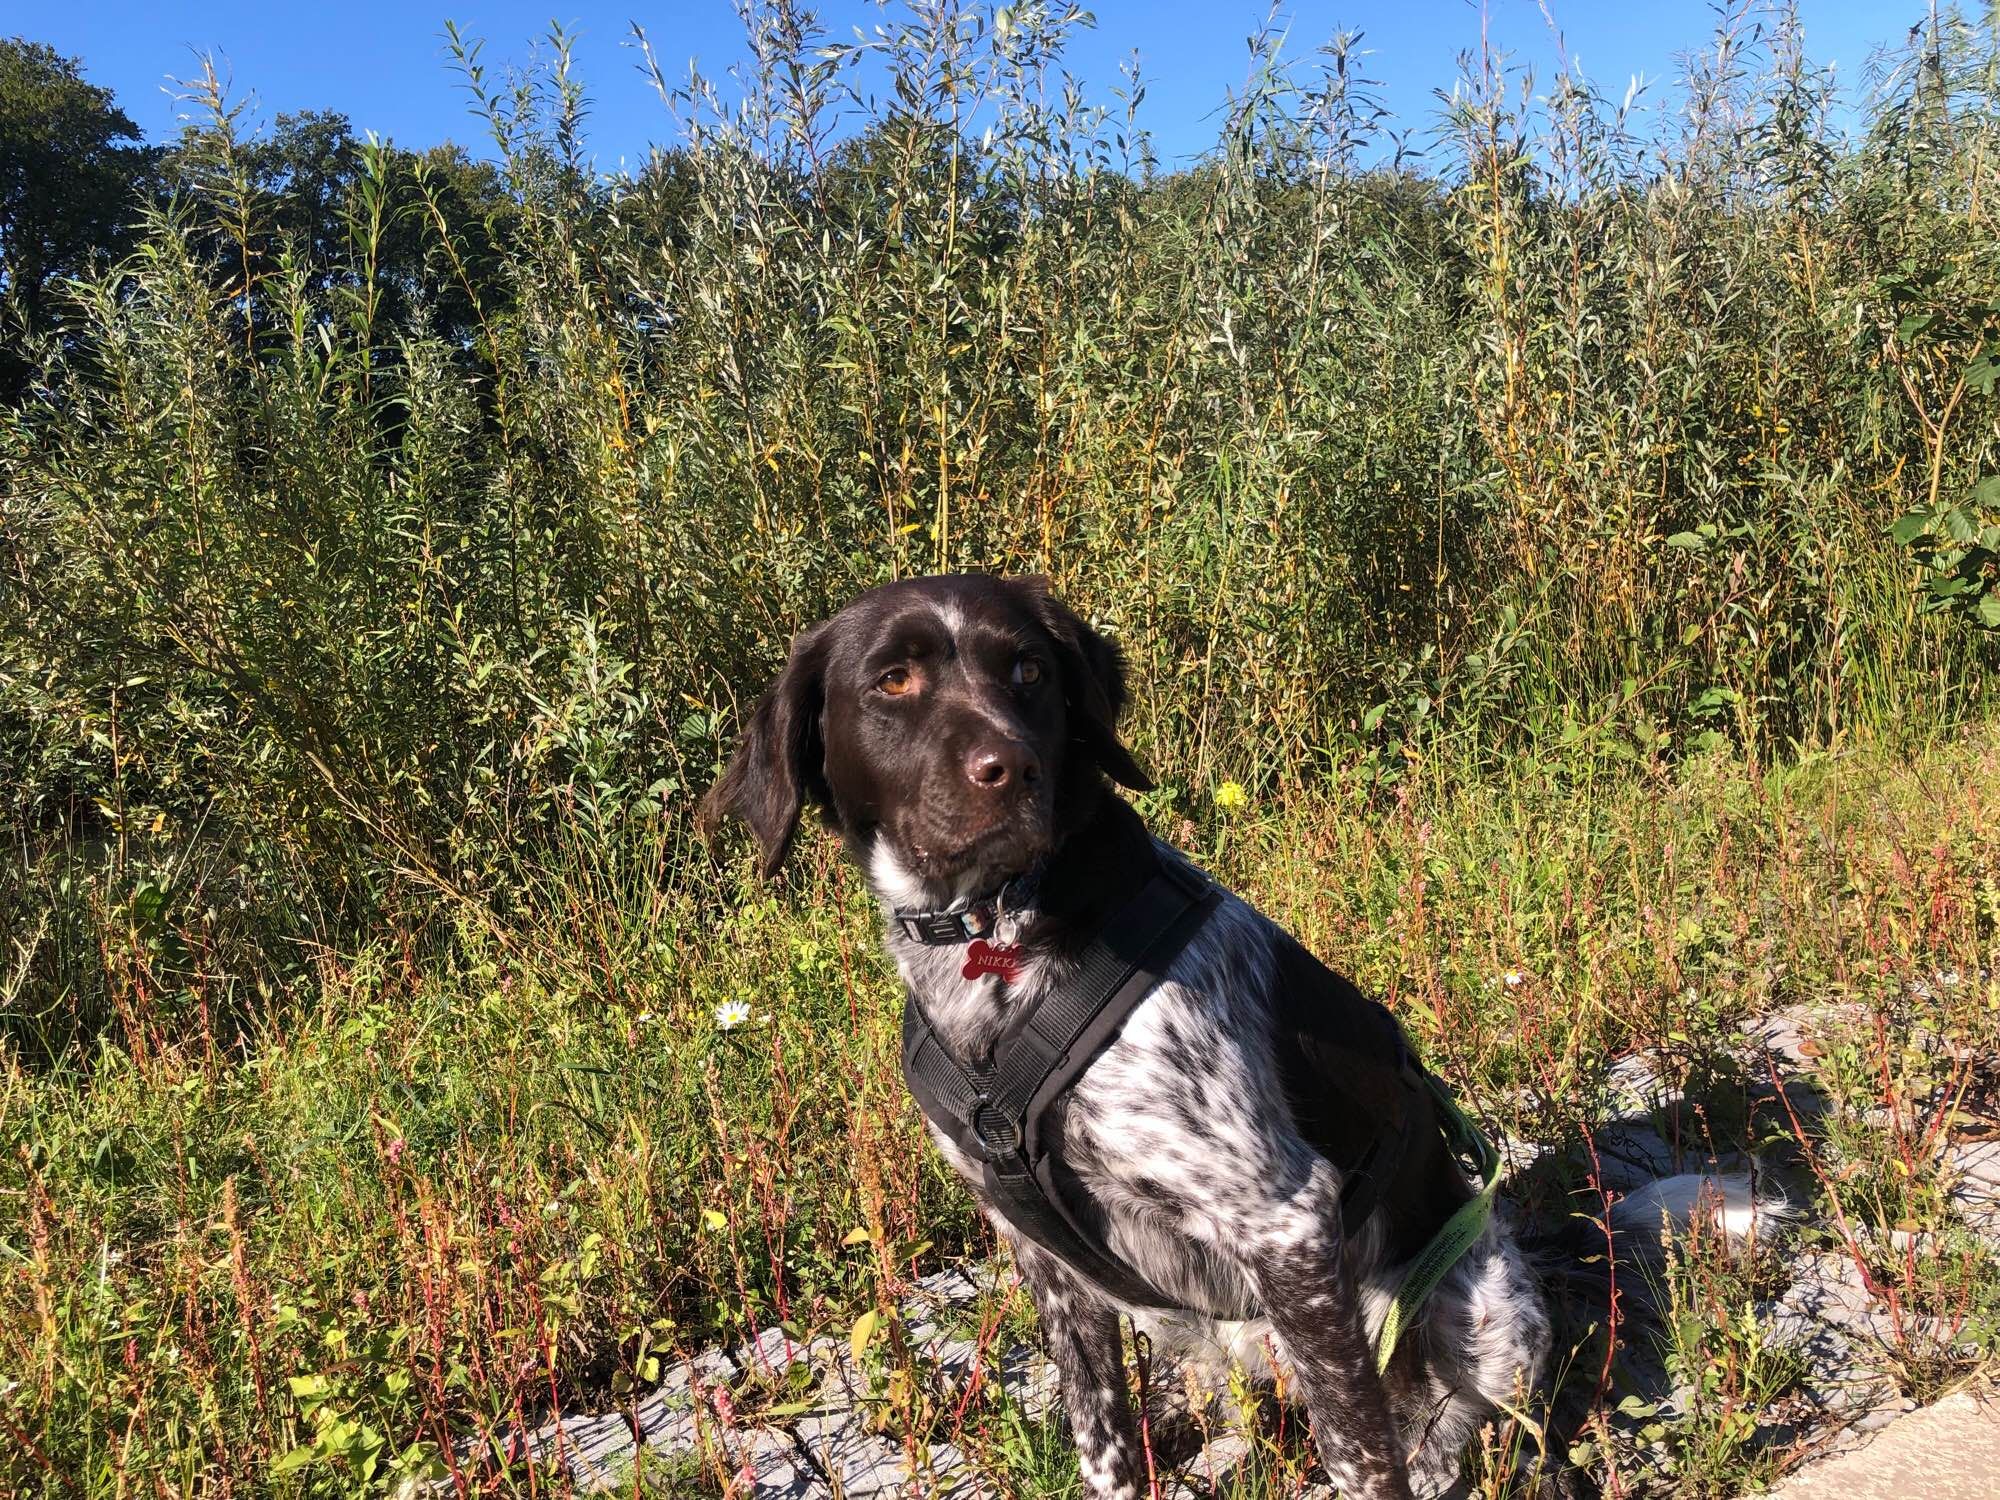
957, 733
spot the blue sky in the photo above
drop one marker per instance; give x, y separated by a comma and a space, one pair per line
383, 64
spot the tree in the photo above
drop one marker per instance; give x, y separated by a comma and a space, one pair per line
304, 183
68, 179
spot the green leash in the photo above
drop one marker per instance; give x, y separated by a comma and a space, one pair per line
1456, 1235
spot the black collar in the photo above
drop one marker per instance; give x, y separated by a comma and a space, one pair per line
977, 918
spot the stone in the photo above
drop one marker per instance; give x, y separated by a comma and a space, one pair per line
1634, 1088
1630, 1154
1029, 1379
1949, 1452
1789, 1033
666, 1421
595, 1450
775, 1469
938, 1305
1209, 1471
859, 1464
1975, 1189
775, 1351
1878, 1418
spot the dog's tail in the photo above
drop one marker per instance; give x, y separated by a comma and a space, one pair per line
1580, 1279
1649, 1218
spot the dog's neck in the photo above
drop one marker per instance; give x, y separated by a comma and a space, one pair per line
1084, 881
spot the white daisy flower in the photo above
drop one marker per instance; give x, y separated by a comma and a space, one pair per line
731, 1014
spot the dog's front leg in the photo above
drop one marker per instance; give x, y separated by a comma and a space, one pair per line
1082, 1333
1291, 1252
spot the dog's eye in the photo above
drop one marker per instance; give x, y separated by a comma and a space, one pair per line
896, 681
1027, 672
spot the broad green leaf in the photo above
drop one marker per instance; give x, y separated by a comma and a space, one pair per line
1912, 527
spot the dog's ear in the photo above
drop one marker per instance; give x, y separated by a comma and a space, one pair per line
780, 761
1093, 674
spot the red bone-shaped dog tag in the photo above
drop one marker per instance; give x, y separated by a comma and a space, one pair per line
982, 957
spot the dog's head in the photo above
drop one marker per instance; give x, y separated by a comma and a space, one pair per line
946, 727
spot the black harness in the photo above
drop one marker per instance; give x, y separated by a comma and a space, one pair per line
997, 1110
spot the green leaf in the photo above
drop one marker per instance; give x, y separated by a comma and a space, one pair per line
1911, 528
1686, 541
148, 901
296, 1459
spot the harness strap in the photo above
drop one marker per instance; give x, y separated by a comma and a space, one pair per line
1455, 1236
994, 1111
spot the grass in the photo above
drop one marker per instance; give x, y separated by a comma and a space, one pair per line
1556, 579
437, 1194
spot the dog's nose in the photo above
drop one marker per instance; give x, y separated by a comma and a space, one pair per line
996, 767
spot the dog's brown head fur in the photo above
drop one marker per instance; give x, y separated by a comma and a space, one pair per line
959, 720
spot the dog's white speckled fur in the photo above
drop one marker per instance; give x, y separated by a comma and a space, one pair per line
1183, 1205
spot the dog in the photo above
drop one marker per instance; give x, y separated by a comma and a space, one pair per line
960, 734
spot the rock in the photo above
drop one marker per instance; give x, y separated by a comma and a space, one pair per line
938, 1306
1826, 1314
1209, 1471
1975, 1192
669, 1429
1881, 1416
596, 1450
1635, 1088
775, 1351
1789, 1033
857, 1463
773, 1467
1630, 1154
1950, 1452
1029, 1379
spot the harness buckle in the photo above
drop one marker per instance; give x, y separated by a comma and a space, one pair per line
932, 927
941, 928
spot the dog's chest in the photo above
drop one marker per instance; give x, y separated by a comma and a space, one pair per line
967, 996
1166, 1103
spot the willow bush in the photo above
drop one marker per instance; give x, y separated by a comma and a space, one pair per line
335, 592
